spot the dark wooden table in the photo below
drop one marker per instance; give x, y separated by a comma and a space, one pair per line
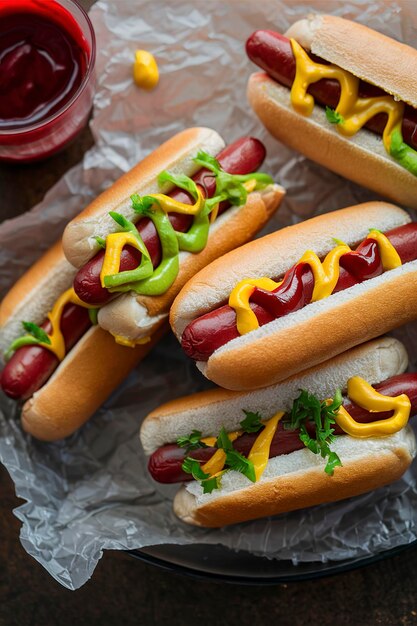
125, 591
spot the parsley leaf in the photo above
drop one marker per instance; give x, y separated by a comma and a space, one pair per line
240, 463
37, 332
210, 484
143, 205
191, 441
333, 117
252, 422
193, 467
223, 441
307, 408
101, 242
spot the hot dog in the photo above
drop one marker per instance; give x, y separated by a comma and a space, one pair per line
352, 447
283, 321
128, 311
37, 370
382, 100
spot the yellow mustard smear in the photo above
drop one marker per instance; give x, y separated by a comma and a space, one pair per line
145, 70
326, 274
355, 111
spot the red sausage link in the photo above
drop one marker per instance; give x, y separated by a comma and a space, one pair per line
273, 53
165, 464
209, 332
30, 367
241, 157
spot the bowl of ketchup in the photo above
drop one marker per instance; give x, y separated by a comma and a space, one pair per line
47, 55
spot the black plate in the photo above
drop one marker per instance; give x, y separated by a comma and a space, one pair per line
216, 562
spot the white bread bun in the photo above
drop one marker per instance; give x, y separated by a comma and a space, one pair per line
361, 158
301, 339
208, 411
175, 155
297, 480
134, 316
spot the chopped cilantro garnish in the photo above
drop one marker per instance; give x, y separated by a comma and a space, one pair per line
37, 332
240, 463
333, 117
223, 441
191, 441
210, 484
193, 467
142, 204
308, 408
252, 422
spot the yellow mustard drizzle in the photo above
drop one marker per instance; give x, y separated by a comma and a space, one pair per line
130, 343
115, 242
145, 70
57, 345
358, 390
259, 453
326, 274
356, 111
363, 394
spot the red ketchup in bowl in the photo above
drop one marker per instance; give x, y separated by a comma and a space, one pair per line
47, 54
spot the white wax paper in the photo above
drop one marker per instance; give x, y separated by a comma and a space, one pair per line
91, 492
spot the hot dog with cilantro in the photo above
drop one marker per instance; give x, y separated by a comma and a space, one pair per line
334, 431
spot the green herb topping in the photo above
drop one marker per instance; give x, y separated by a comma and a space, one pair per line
252, 422
37, 332
229, 186
35, 336
193, 467
308, 408
333, 117
192, 441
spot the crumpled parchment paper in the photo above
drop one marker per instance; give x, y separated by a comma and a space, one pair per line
91, 492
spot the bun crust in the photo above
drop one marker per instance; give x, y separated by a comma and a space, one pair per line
361, 158
390, 65
176, 154
126, 315
303, 488
81, 384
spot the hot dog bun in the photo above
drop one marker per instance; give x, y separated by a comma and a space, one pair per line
97, 364
82, 382
294, 480
301, 339
361, 158
176, 155
297, 480
133, 316
94, 367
